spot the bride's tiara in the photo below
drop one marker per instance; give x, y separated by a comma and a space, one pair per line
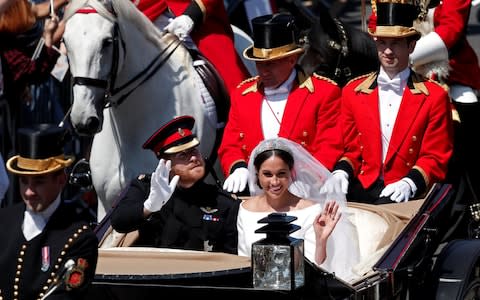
273, 144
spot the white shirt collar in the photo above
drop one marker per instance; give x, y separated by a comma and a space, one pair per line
284, 88
35, 222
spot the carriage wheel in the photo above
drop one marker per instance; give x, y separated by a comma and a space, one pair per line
472, 291
456, 274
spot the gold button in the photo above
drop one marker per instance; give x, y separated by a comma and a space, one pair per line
244, 147
303, 143
410, 150
359, 133
305, 133
408, 164
361, 148
414, 138
242, 135
361, 172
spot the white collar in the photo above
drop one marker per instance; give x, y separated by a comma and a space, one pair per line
403, 75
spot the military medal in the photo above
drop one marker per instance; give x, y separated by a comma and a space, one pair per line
45, 258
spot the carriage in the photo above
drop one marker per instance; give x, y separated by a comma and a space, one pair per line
422, 249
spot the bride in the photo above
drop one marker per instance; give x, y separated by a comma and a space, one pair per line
284, 177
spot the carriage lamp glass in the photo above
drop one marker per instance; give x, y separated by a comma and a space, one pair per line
277, 260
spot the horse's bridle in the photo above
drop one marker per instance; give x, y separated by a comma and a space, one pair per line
343, 48
113, 96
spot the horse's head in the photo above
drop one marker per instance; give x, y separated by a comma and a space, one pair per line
90, 37
337, 50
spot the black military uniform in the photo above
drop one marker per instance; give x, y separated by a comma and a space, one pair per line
30, 267
59, 258
202, 217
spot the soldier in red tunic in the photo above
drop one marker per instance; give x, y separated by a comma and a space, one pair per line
397, 125
206, 21
445, 54
281, 102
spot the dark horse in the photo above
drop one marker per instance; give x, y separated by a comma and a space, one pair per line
334, 49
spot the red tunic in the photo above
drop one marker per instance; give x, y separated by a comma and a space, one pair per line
422, 136
214, 37
310, 119
450, 20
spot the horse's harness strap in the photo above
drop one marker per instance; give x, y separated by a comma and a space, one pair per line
343, 48
90, 81
150, 70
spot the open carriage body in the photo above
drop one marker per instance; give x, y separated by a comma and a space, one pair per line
427, 257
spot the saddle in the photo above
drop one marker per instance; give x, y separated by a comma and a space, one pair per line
214, 84
216, 87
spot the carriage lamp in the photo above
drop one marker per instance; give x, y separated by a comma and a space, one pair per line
277, 260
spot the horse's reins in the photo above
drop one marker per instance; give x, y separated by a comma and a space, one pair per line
135, 81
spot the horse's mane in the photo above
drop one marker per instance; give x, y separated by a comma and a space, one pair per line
121, 10
338, 50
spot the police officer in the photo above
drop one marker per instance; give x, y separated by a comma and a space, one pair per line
47, 246
173, 207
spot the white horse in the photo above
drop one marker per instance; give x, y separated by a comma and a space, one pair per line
128, 80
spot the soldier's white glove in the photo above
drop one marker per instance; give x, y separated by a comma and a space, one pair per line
400, 191
237, 181
336, 184
160, 188
429, 48
180, 26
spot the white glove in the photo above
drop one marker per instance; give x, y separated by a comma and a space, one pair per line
337, 183
400, 191
237, 181
428, 49
180, 26
160, 189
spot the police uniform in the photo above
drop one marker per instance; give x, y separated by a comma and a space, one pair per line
31, 267
200, 217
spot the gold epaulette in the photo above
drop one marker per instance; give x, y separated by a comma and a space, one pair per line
247, 81
359, 77
324, 78
442, 85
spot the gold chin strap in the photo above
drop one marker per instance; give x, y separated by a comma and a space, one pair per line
40, 164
